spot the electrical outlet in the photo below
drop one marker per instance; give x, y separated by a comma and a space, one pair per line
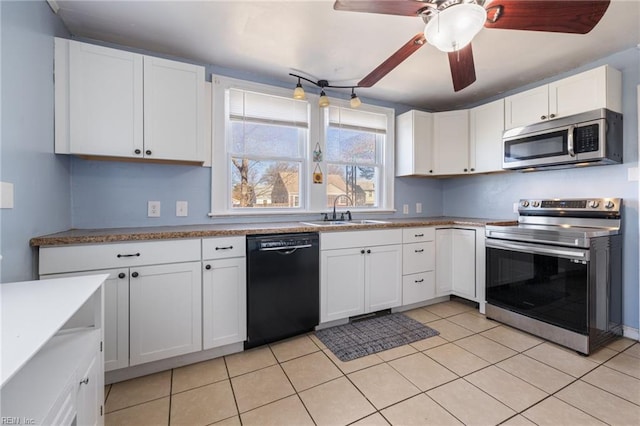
632, 174
515, 207
405, 208
418, 207
181, 208
153, 209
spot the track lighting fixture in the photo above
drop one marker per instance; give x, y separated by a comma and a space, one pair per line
323, 101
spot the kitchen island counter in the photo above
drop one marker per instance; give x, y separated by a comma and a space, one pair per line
108, 235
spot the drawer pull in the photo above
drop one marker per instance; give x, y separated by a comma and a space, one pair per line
419, 281
225, 248
419, 250
129, 255
418, 235
207, 267
121, 275
84, 381
134, 275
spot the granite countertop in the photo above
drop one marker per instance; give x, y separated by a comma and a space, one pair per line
108, 235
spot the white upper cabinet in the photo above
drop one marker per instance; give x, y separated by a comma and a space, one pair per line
451, 142
486, 125
114, 103
597, 88
414, 149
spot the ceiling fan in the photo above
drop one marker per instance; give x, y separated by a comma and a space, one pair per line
452, 24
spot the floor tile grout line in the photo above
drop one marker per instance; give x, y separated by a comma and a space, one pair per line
296, 393
170, 397
233, 392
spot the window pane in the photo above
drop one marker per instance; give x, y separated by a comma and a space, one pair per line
259, 139
351, 146
357, 182
263, 183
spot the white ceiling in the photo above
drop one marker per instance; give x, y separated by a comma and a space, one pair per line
273, 38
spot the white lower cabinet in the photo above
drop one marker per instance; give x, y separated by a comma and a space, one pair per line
361, 272
89, 397
224, 294
456, 263
165, 316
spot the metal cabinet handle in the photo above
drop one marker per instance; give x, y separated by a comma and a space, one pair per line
473, 170
465, 170
224, 248
543, 117
418, 235
137, 151
84, 381
552, 115
135, 275
121, 275
430, 171
419, 281
148, 152
207, 267
362, 251
129, 255
419, 250
368, 251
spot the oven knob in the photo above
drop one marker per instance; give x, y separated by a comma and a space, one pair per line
535, 203
609, 205
594, 204
525, 203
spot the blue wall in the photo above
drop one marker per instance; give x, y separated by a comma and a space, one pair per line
41, 179
494, 195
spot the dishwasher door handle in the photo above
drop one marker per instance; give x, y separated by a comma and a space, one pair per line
289, 249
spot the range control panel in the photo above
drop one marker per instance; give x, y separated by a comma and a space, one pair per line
556, 206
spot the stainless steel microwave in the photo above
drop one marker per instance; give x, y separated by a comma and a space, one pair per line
590, 138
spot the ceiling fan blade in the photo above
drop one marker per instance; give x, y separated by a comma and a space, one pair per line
463, 71
393, 61
559, 16
387, 7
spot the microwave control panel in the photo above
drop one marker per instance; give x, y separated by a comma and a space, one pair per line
586, 138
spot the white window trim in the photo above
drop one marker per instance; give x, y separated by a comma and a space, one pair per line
315, 199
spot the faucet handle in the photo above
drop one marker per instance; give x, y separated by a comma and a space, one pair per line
342, 216
348, 215
326, 217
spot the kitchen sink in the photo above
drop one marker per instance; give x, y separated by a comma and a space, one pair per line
344, 222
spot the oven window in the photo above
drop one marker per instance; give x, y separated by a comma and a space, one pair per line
540, 146
547, 288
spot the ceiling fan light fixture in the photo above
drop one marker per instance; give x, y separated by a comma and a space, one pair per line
298, 92
355, 100
324, 100
454, 27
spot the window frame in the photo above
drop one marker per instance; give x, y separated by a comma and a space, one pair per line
313, 198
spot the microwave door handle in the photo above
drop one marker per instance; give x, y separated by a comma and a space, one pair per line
570, 141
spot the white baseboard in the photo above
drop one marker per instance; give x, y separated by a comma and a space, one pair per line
630, 332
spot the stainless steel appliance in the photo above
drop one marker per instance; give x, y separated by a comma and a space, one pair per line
283, 286
558, 273
591, 138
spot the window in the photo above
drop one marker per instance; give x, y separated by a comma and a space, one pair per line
354, 145
267, 138
262, 152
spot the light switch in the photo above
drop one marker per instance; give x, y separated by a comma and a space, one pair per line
6, 195
418, 207
181, 208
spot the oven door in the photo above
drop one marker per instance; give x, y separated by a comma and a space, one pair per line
548, 283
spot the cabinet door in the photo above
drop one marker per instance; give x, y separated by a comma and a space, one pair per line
444, 262
579, 93
383, 277
341, 284
116, 315
165, 311
451, 142
414, 147
90, 392
485, 143
526, 107
173, 110
224, 302
464, 263
105, 101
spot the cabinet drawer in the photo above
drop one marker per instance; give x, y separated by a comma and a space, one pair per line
351, 239
88, 257
418, 235
223, 247
418, 257
418, 287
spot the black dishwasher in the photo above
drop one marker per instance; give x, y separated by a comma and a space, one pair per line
283, 286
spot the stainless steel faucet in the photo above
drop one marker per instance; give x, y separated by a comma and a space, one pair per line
333, 216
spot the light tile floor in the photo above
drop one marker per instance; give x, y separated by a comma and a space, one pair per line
476, 372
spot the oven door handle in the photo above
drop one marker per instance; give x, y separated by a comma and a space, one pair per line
566, 253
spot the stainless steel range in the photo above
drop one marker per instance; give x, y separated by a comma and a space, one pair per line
558, 273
